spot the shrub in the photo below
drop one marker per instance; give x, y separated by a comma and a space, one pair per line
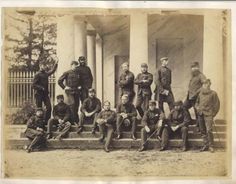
23, 114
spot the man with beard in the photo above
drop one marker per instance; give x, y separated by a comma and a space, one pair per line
126, 82
126, 116
72, 89
207, 106
40, 86
86, 77
144, 94
106, 121
194, 87
89, 110
163, 90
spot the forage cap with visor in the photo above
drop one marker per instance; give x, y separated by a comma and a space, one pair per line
195, 64
82, 58
164, 58
152, 102
74, 63
207, 81
144, 65
60, 97
39, 109
92, 90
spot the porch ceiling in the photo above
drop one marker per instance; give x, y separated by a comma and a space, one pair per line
107, 25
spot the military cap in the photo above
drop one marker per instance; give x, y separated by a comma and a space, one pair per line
74, 63
92, 90
125, 64
207, 81
82, 58
106, 102
144, 65
152, 102
164, 58
60, 97
124, 96
178, 103
195, 64
39, 109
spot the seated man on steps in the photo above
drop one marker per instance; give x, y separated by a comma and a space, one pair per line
150, 121
177, 123
106, 121
89, 110
61, 118
35, 131
126, 116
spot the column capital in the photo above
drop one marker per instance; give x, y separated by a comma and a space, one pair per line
91, 32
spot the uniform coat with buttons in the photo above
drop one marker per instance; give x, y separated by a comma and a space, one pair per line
73, 81
144, 91
163, 80
40, 86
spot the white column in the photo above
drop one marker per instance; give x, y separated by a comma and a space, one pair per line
65, 46
80, 38
91, 53
213, 54
138, 41
99, 66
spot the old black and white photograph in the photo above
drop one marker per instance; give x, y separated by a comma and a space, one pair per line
116, 93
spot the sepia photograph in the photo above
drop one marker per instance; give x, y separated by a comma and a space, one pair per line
116, 93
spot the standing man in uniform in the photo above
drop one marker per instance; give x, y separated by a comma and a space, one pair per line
106, 121
61, 118
144, 94
194, 87
177, 123
126, 82
207, 106
163, 85
89, 110
40, 86
126, 116
86, 77
72, 89
150, 121
35, 131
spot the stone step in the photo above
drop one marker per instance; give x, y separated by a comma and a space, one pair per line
219, 128
93, 143
191, 135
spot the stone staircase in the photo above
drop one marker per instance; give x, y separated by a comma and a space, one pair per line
85, 140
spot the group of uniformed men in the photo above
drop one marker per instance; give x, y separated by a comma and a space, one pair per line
77, 83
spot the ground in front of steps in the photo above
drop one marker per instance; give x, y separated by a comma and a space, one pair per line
76, 164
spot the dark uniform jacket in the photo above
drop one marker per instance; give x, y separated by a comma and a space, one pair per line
86, 76
108, 115
126, 82
151, 118
62, 111
163, 80
73, 80
195, 84
91, 104
179, 117
208, 102
144, 87
40, 81
35, 122
127, 108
